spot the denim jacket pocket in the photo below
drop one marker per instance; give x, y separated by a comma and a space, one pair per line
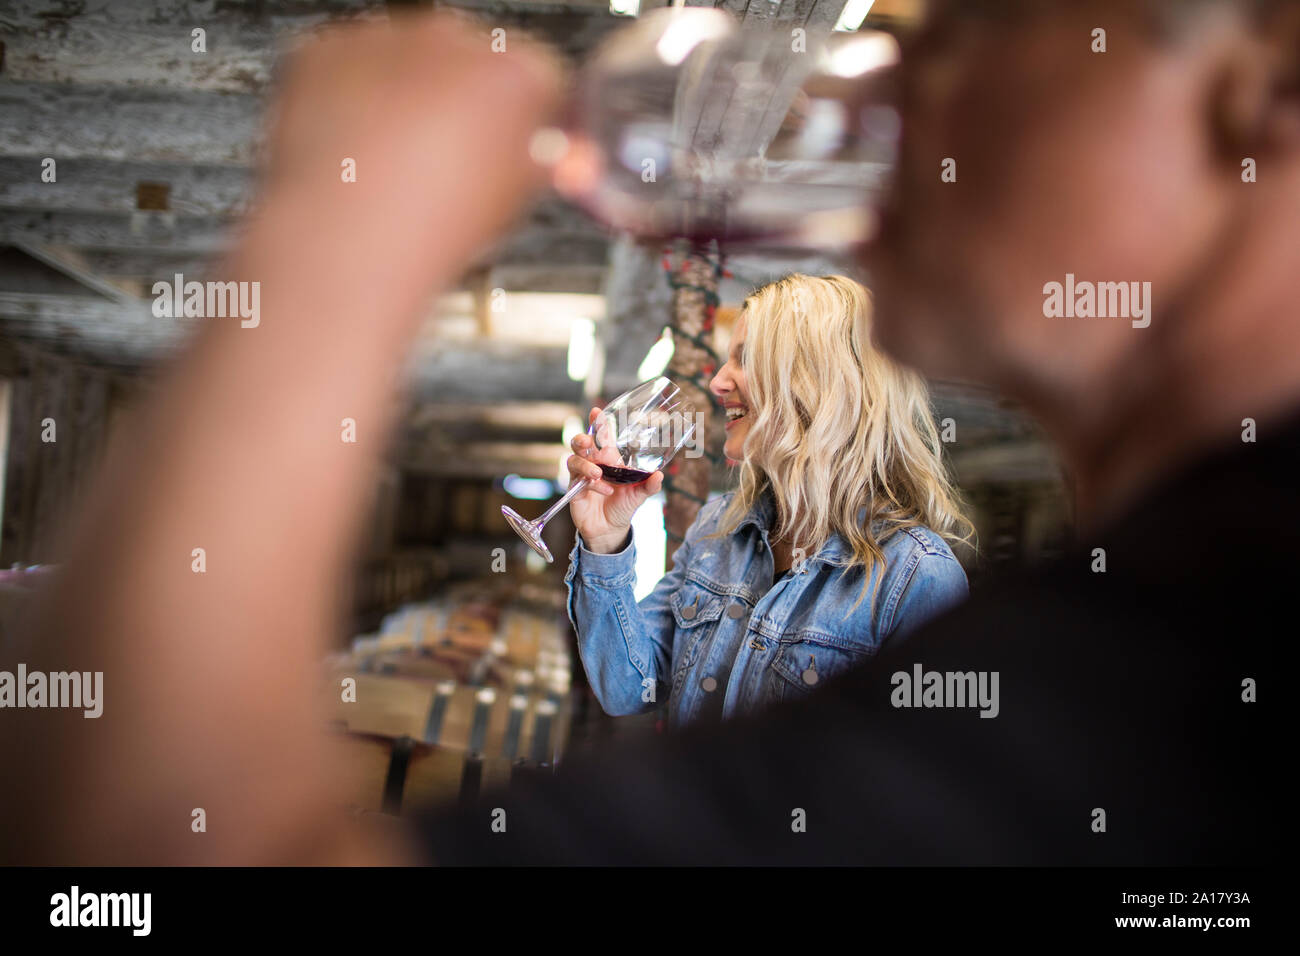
806, 660
695, 611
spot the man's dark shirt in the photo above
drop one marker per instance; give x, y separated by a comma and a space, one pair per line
1119, 692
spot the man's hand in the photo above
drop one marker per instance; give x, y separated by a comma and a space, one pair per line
437, 124
212, 697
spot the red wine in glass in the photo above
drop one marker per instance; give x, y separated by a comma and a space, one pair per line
623, 476
642, 429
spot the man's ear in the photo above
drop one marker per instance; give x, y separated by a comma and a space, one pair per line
1255, 104
1282, 122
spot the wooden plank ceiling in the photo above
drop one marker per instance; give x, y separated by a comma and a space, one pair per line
157, 149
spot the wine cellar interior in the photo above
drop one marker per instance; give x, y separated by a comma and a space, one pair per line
457, 634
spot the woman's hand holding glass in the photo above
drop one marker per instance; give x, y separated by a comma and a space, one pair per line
603, 512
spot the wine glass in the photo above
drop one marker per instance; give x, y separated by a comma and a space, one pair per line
646, 427
687, 123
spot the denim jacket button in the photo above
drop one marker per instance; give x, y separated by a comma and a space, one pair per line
708, 685
736, 612
810, 677
688, 612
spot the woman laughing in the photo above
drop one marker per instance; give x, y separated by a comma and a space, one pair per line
834, 543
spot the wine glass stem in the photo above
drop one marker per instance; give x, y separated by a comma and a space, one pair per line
575, 489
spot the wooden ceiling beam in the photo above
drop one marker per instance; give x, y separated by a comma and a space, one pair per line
150, 44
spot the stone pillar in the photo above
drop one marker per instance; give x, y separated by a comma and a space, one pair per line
694, 280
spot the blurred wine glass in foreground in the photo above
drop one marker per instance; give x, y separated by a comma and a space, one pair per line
635, 435
688, 124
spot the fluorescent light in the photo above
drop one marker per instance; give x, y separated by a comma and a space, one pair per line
582, 343
855, 11
625, 8
529, 489
690, 28
859, 55
657, 359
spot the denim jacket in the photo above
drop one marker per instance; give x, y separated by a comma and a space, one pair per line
717, 638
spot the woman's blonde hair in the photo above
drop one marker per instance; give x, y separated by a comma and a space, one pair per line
838, 427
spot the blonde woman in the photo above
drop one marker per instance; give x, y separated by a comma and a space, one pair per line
834, 543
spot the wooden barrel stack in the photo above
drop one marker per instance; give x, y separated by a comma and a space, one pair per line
449, 698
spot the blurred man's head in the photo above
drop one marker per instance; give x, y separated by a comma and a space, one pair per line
1117, 166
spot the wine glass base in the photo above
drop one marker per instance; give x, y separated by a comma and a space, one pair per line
528, 531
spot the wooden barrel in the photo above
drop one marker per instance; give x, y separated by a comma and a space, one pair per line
408, 741
470, 643
452, 695
399, 774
